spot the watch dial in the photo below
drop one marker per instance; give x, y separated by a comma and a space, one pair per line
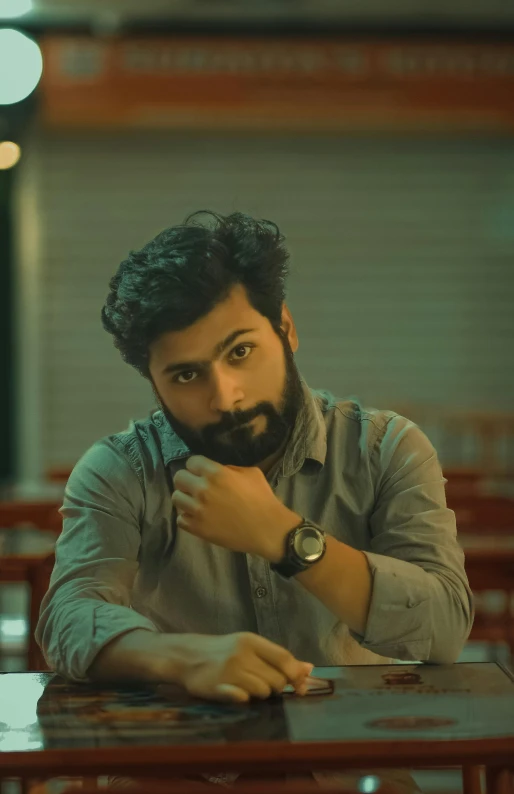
308, 545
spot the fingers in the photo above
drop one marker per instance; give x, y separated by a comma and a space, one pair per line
258, 680
248, 685
255, 685
258, 668
302, 688
202, 466
282, 660
183, 502
227, 693
273, 677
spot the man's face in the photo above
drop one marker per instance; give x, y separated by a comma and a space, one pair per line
237, 407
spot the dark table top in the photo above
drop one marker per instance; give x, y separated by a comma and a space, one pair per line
384, 714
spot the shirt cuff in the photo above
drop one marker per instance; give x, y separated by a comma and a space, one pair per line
399, 620
107, 621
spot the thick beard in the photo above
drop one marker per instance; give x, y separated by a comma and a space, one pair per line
243, 447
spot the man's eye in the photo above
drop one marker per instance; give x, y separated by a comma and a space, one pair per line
181, 374
177, 378
242, 347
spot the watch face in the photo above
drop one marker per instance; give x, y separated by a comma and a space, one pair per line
308, 544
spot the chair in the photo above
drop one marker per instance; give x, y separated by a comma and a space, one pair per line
485, 526
58, 474
40, 514
28, 531
271, 785
470, 481
482, 514
471, 778
490, 572
35, 568
488, 430
466, 440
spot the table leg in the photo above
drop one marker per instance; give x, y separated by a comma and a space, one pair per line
472, 779
498, 780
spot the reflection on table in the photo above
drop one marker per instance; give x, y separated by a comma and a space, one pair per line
377, 716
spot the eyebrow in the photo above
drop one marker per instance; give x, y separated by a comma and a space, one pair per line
182, 366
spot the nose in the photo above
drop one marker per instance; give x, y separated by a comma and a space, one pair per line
226, 392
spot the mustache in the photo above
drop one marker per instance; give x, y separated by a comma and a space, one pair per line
233, 422
228, 423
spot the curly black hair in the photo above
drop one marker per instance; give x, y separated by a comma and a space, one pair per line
184, 272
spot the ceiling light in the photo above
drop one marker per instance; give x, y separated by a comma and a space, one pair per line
12, 9
21, 65
10, 153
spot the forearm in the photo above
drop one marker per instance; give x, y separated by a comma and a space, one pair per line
141, 655
342, 581
393, 607
400, 610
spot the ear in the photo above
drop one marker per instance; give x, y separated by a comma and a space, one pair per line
289, 328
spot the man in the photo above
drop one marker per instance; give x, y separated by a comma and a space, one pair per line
251, 527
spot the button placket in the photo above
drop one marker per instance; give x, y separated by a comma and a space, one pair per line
263, 601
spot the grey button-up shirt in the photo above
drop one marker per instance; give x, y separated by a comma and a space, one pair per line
368, 477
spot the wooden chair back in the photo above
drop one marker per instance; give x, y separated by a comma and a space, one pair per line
482, 514
27, 565
41, 514
264, 785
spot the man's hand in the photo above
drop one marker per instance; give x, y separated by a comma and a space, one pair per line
229, 667
233, 507
236, 667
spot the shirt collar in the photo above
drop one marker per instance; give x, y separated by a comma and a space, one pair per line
308, 439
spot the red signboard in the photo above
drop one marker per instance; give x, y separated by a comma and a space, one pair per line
264, 83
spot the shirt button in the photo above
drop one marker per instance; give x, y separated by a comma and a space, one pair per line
261, 592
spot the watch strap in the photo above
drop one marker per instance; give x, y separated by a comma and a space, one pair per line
287, 568
290, 564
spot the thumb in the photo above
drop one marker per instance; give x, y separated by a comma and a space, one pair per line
231, 694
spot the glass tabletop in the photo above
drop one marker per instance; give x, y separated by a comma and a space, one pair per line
474, 700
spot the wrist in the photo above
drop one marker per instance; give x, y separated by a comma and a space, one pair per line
174, 657
285, 521
131, 656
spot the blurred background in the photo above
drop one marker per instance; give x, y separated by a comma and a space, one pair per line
378, 135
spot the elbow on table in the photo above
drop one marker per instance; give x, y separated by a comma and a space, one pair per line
448, 641
444, 654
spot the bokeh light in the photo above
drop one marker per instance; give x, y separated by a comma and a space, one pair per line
11, 9
21, 65
10, 153
369, 784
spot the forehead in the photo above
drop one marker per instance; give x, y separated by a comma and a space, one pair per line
198, 340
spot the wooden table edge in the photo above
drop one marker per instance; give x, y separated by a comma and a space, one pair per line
249, 757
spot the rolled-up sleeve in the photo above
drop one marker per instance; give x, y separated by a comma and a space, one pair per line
96, 560
421, 605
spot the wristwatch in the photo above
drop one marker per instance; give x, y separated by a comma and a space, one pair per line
304, 546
